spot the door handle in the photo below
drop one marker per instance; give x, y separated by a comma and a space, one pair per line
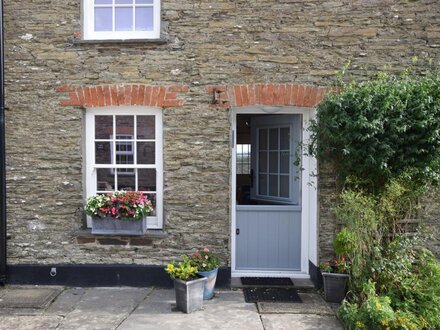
237, 231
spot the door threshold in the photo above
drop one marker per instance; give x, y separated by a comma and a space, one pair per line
293, 275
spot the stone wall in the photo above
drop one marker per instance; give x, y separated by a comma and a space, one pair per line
205, 43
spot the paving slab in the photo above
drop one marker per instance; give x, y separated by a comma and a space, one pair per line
104, 308
34, 297
29, 322
66, 301
227, 310
300, 322
312, 303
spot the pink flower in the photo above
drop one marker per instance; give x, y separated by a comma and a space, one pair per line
114, 211
206, 257
205, 250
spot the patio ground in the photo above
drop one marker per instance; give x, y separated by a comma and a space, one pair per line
150, 308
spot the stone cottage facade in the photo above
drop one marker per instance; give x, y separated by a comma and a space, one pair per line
195, 75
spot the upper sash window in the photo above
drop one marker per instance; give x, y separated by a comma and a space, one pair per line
121, 19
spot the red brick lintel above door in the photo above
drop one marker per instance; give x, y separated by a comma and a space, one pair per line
123, 94
268, 94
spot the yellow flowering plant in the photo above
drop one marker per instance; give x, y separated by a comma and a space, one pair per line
183, 270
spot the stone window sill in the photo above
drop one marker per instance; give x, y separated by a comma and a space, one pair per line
121, 41
86, 237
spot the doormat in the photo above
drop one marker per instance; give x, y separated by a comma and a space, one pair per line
266, 281
253, 295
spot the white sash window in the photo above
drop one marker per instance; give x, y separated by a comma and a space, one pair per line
121, 19
124, 152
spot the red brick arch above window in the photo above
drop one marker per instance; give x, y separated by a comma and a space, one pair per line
117, 95
267, 94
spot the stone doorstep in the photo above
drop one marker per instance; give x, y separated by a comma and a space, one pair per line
312, 303
30, 297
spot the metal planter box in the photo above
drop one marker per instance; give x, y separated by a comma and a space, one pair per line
189, 294
124, 226
335, 286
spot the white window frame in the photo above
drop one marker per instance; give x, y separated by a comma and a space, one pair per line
153, 222
89, 32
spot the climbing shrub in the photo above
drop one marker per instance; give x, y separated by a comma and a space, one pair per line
381, 129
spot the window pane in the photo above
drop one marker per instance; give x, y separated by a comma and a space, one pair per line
144, 18
262, 139
145, 127
103, 153
273, 162
273, 185
126, 179
103, 2
284, 162
284, 138
262, 163
103, 127
105, 179
146, 152
125, 126
103, 19
146, 179
144, 2
123, 19
262, 184
122, 2
273, 139
284, 186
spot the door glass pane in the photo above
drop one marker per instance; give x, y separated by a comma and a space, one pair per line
125, 126
262, 138
146, 152
284, 162
103, 153
123, 2
284, 186
262, 162
273, 185
146, 179
123, 19
139, 2
273, 162
262, 184
105, 178
103, 2
285, 138
103, 19
273, 139
145, 127
144, 18
103, 127
126, 179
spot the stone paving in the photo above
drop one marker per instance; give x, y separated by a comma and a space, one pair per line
149, 308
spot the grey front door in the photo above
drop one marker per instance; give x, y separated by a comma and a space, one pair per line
268, 226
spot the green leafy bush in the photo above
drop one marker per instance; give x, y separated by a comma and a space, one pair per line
183, 270
379, 129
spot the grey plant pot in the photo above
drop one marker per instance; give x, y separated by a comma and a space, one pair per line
124, 226
189, 294
335, 286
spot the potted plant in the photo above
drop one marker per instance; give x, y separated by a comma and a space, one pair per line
187, 285
335, 278
207, 264
119, 213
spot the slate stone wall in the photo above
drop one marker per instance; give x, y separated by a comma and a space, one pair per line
225, 42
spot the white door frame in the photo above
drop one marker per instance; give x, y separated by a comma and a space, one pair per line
309, 194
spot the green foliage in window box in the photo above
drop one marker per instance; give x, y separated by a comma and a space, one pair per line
381, 129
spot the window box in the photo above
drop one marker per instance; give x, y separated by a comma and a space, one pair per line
124, 226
